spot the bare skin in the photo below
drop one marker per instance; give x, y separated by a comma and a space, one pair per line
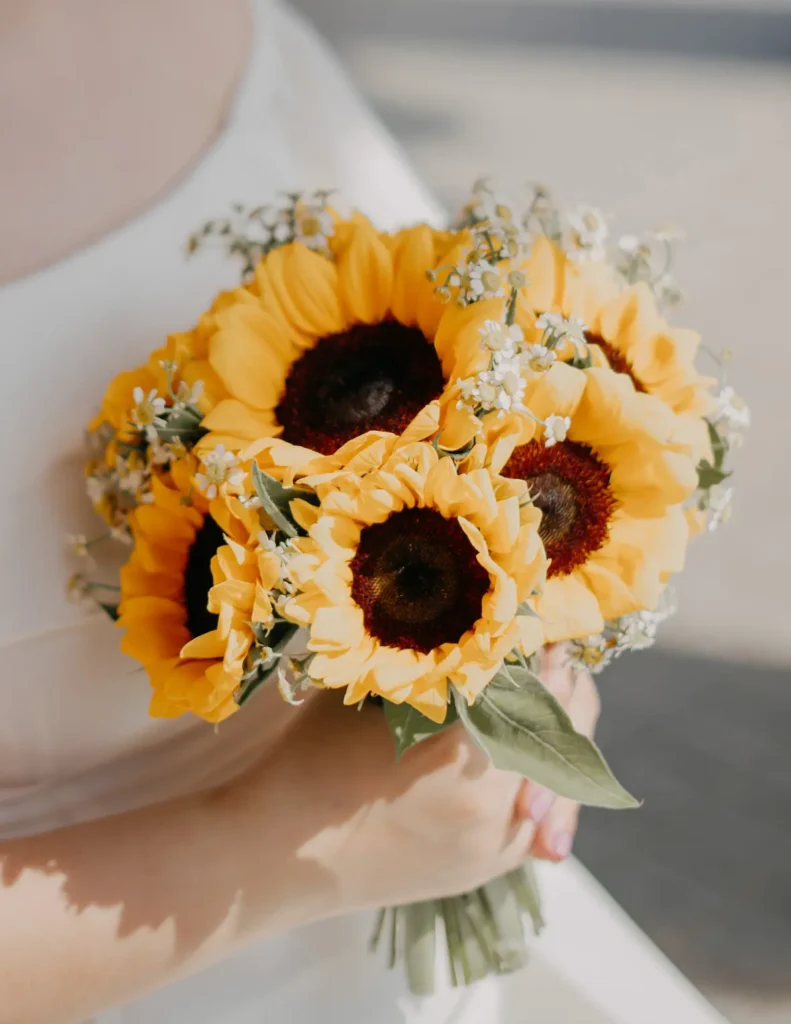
328, 822
103, 108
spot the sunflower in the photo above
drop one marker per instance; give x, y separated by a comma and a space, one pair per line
193, 648
610, 488
318, 351
625, 331
411, 576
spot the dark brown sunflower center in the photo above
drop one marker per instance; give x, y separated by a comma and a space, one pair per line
371, 377
417, 580
198, 578
615, 358
571, 486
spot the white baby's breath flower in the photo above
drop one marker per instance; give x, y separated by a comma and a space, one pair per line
638, 631
538, 358
720, 500
732, 415
286, 688
590, 653
147, 410
282, 231
120, 532
78, 591
159, 451
556, 429
78, 544
503, 364
559, 328
219, 467
549, 322
499, 337
587, 232
130, 478
467, 388
96, 487
313, 226
628, 243
480, 280
498, 389
190, 395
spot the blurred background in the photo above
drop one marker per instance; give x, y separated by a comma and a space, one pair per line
671, 111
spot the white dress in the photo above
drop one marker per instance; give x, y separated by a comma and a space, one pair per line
76, 741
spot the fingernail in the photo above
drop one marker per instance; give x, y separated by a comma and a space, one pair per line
541, 804
561, 844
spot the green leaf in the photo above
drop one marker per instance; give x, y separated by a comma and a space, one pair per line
718, 446
183, 423
109, 609
276, 638
252, 682
276, 500
524, 729
709, 476
280, 634
410, 727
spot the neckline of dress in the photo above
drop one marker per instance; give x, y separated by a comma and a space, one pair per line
235, 113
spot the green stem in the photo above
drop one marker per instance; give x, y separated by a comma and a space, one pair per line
376, 935
451, 940
510, 309
393, 938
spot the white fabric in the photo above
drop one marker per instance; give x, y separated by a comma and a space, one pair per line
76, 741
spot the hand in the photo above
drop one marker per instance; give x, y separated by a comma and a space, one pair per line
370, 830
556, 818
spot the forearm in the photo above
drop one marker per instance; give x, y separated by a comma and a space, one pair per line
94, 914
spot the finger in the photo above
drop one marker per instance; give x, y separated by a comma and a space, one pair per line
583, 708
534, 802
557, 829
556, 673
554, 837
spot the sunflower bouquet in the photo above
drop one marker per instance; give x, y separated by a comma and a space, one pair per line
399, 465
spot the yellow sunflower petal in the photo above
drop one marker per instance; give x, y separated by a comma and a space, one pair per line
568, 609
303, 287
251, 356
365, 276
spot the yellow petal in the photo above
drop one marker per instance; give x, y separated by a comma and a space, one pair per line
611, 410
413, 300
557, 392
568, 609
336, 629
433, 703
365, 276
232, 419
545, 275
303, 286
531, 634
647, 480
209, 645
250, 358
